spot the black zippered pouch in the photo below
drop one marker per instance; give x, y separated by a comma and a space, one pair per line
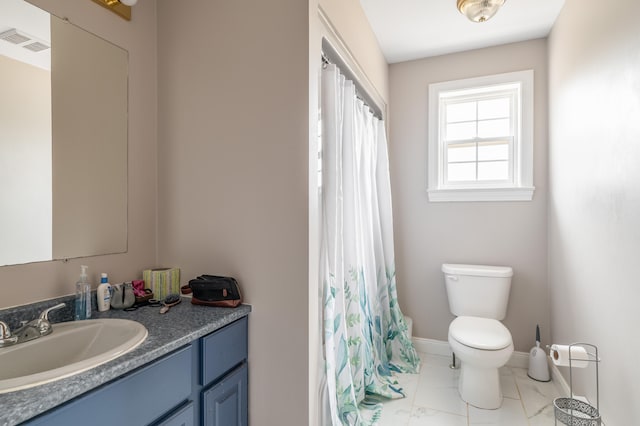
214, 290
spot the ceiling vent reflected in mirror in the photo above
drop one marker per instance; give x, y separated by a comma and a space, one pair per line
36, 46
13, 36
21, 38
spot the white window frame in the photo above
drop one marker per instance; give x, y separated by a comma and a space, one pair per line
520, 185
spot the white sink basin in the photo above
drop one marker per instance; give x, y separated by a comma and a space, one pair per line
73, 347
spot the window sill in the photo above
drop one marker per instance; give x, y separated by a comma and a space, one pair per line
481, 194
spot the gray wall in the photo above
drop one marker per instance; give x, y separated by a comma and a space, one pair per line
428, 234
233, 175
594, 197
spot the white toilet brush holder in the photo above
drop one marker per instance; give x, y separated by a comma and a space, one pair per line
538, 366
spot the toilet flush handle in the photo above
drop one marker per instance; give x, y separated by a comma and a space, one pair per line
453, 277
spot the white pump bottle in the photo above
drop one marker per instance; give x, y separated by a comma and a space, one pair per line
103, 293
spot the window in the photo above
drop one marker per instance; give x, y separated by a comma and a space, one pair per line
481, 138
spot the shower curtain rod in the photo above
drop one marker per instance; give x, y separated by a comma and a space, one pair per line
325, 60
360, 92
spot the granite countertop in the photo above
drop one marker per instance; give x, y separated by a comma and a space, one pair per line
183, 324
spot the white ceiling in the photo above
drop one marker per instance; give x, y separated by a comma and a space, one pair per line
29, 20
413, 29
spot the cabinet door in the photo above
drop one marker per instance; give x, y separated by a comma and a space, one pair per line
225, 404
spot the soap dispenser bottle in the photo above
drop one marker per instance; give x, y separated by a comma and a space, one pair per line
104, 293
83, 295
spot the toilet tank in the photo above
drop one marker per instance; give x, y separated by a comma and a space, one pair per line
478, 290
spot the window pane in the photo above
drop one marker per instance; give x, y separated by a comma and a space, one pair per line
494, 108
494, 150
465, 111
461, 152
493, 170
460, 131
493, 128
457, 172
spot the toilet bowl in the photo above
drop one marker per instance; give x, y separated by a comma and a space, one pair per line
478, 296
483, 345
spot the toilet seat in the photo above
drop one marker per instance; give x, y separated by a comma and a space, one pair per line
480, 333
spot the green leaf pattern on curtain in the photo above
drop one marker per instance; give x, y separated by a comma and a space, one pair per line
365, 334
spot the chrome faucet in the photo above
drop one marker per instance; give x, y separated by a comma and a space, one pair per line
6, 338
33, 329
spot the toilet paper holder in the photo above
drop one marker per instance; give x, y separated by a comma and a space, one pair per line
574, 412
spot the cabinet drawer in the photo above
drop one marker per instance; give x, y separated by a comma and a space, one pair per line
136, 399
223, 350
182, 417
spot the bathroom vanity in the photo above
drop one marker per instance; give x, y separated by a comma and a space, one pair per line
191, 370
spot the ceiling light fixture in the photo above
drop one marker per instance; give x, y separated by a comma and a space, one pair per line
479, 10
120, 7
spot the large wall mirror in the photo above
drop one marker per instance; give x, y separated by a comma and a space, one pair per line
63, 139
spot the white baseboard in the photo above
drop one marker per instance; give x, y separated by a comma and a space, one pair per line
441, 348
431, 346
561, 383
519, 360
558, 379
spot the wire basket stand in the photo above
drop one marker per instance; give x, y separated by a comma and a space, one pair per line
574, 412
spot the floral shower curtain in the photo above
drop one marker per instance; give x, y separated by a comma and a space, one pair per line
365, 334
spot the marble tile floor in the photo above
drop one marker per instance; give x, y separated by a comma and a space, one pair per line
433, 400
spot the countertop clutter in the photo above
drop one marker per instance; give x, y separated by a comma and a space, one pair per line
183, 324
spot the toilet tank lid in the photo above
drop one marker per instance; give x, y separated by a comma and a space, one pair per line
477, 270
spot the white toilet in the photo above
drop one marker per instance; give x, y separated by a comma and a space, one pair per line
478, 297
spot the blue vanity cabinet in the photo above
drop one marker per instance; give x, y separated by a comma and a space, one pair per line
138, 398
203, 383
224, 376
